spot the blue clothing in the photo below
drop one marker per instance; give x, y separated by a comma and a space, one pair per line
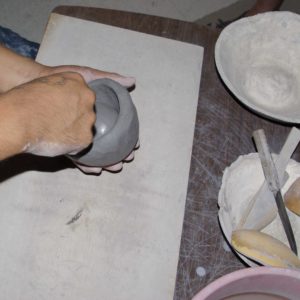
17, 43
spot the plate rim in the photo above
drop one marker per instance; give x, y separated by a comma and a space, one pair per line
217, 54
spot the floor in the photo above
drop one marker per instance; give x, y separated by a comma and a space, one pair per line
29, 17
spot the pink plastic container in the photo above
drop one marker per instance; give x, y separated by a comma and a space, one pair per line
259, 283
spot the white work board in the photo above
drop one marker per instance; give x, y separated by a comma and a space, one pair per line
66, 235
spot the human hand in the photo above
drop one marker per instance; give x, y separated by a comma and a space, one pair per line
90, 74
41, 107
113, 168
54, 113
18, 71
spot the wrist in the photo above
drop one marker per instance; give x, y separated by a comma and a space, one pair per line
13, 135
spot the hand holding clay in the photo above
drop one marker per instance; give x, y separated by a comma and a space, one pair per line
116, 127
91, 76
55, 115
48, 116
37, 116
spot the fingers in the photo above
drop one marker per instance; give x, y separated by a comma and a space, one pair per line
89, 170
137, 145
97, 170
90, 74
115, 168
125, 81
58, 112
130, 157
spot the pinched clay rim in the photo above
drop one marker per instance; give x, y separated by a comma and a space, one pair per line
120, 140
233, 36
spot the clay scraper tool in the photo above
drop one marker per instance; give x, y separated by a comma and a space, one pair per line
272, 179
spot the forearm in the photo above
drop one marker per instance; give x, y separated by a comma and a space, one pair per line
16, 69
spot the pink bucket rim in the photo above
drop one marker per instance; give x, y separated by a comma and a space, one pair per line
240, 274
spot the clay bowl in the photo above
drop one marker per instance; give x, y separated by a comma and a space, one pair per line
116, 127
263, 283
258, 59
240, 182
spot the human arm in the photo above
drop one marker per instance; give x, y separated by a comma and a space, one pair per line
17, 70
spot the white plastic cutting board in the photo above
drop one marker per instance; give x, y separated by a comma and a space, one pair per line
125, 243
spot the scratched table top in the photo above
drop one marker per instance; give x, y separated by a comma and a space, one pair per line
223, 132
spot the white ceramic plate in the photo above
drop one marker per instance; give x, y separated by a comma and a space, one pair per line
240, 182
258, 59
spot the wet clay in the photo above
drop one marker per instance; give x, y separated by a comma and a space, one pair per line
116, 128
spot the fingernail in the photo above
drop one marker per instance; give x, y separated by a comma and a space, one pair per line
129, 157
137, 144
115, 167
127, 81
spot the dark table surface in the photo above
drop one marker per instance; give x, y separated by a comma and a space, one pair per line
223, 132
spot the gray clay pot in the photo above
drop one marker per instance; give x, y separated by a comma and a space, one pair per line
116, 127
